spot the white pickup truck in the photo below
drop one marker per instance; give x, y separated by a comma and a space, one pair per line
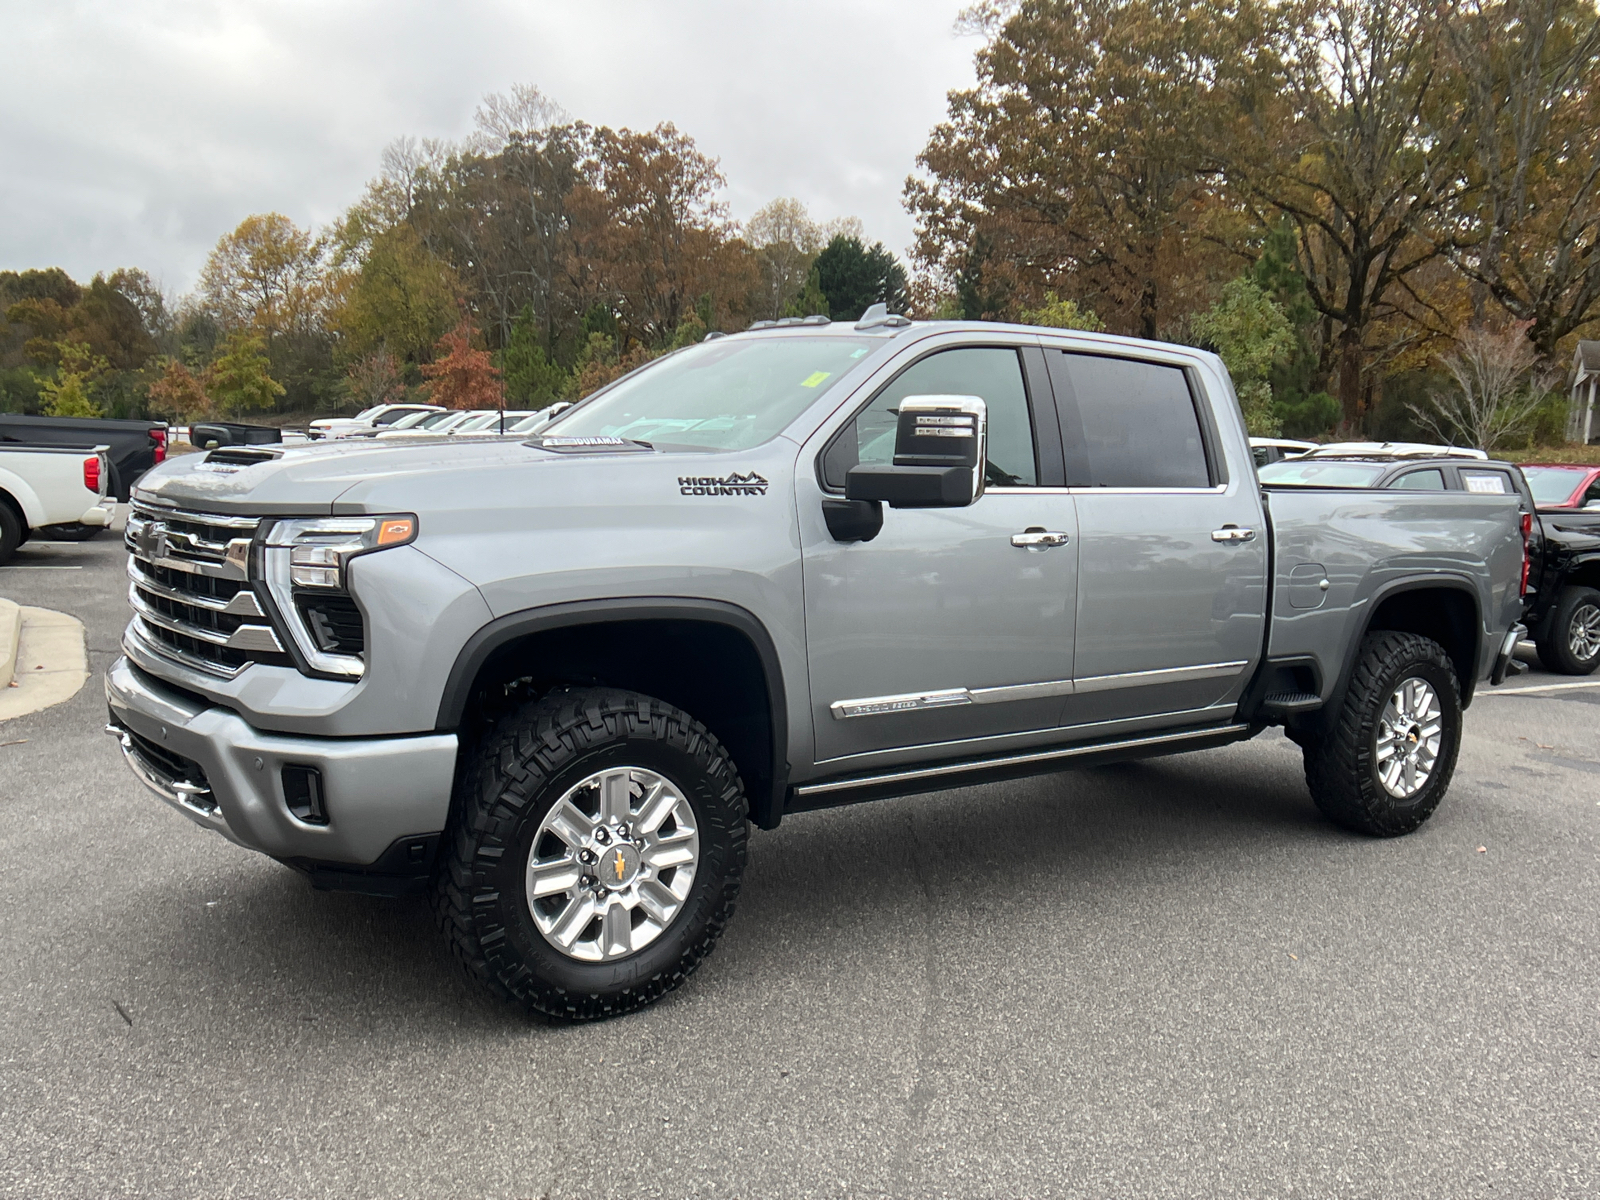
59, 491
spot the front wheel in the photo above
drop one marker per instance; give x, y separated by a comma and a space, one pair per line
1570, 641
596, 846
1385, 764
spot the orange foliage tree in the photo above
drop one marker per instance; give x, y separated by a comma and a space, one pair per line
460, 376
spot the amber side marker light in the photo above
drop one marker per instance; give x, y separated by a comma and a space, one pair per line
395, 530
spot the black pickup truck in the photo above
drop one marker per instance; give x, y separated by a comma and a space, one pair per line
135, 446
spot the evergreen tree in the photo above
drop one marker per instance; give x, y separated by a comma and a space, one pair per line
853, 278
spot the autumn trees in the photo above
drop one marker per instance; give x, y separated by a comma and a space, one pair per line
1432, 164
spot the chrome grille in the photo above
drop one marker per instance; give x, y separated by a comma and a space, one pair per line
189, 587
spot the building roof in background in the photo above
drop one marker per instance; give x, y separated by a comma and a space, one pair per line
1587, 360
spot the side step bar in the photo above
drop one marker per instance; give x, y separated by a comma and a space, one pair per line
849, 789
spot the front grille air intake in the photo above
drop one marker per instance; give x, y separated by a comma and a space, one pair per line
189, 587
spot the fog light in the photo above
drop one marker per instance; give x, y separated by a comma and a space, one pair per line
302, 791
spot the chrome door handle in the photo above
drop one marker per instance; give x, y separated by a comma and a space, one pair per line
1038, 539
1232, 533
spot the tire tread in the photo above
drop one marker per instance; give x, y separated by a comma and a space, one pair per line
517, 755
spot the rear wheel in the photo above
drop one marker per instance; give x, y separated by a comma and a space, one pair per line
596, 846
10, 532
1386, 763
1570, 640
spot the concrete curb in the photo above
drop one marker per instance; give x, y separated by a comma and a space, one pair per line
52, 662
10, 635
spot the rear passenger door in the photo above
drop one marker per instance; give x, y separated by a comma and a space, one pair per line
1172, 552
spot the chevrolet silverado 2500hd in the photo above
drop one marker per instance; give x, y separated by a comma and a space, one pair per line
555, 680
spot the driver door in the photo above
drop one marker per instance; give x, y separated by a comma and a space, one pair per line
942, 631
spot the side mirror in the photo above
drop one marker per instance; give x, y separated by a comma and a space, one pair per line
940, 451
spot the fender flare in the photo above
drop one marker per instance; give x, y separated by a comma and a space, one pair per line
1415, 583
765, 810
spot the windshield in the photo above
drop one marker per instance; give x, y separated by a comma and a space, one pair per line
1553, 485
412, 420
1314, 472
429, 420
729, 394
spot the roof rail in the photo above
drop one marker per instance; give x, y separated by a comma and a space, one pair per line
879, 315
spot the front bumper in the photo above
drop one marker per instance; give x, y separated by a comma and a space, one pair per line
377, 791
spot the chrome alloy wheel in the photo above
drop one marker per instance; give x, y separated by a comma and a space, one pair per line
1583, 633
1410, 732
612, 864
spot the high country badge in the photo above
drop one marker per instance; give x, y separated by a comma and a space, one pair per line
729, 485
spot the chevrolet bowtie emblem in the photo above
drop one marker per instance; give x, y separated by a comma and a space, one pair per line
620, 866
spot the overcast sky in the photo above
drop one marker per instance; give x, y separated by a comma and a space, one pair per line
136, 132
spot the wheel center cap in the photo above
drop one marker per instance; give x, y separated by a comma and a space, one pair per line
618, 865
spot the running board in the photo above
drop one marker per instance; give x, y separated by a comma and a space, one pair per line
850, 789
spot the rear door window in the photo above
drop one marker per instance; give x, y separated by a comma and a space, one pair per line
1127, 423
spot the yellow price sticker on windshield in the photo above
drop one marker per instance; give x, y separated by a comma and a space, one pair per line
813, 379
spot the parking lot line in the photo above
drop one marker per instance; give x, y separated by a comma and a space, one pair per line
30, 567
1543, 687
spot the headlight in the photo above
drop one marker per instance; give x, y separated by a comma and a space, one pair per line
320, 547
307, 569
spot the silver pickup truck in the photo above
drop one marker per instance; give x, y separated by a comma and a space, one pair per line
554, 681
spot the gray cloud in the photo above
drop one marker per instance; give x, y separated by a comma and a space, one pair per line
136, 133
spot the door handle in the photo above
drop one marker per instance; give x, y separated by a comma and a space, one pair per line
1232, 533
1038, 539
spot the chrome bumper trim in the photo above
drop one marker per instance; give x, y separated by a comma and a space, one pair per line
192, 797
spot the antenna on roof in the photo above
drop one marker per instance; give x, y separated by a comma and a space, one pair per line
879, 315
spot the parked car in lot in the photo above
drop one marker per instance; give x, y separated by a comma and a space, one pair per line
1393, 450
1268, 450
205, 435
59, 491
422, 425
1567, 491
379, 417
553, 679
492, 422
1562, 601
131, 447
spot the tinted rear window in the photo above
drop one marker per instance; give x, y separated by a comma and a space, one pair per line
1126, 423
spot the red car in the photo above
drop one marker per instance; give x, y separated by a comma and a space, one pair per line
1565, 486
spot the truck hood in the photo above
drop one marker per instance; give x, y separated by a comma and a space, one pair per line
410, 475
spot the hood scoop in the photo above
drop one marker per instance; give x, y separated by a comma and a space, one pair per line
236, 458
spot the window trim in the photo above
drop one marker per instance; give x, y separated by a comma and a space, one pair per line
1066, 396
1029, 384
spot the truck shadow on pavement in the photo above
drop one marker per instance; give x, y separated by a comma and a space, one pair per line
256, 939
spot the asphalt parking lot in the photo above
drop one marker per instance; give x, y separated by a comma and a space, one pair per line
1165, 979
